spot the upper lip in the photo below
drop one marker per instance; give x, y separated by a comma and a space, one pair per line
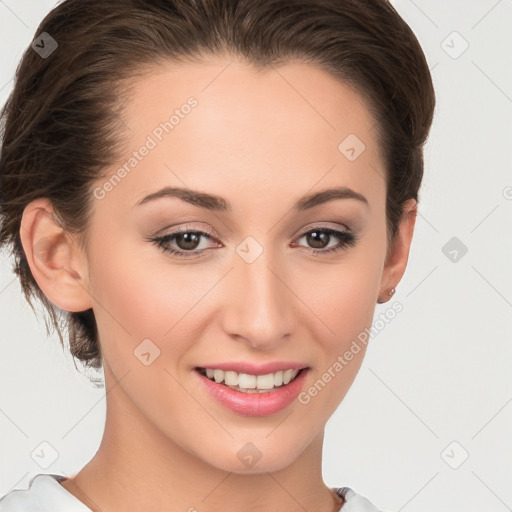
256, 369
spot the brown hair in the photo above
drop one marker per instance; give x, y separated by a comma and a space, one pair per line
59, 122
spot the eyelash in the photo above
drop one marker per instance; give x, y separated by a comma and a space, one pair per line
346, 238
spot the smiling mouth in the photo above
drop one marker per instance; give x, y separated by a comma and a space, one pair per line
251, 383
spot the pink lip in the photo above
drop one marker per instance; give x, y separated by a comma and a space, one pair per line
253, 369
255, 404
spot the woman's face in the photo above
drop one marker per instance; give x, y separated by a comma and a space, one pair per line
268, 285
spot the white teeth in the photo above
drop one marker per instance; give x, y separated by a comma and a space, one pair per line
288, 376
265, 381
245, 381
230, 378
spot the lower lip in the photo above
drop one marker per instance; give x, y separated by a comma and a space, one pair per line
255, 404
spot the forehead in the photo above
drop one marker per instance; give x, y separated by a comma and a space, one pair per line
231, 94
248, 128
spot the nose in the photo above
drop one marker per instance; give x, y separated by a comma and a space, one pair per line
259, 305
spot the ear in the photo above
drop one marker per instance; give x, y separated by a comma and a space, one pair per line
53, 257
398, 254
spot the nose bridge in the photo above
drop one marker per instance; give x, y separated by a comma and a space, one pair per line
259, 302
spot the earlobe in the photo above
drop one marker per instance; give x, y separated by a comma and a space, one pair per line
53, 259
396, 262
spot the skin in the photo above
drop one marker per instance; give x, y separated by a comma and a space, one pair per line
261, 140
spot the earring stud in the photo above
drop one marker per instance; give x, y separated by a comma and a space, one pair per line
390, 294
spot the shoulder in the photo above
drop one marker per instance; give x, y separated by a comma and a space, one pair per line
354, 502
44, 494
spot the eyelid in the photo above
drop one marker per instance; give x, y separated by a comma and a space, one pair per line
205, 233
325, 225
346, 236
186, 229
212, 234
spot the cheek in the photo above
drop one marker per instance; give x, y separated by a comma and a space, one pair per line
343, 298
140, 293
343, 295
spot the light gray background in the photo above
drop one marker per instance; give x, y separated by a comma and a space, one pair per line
435, 385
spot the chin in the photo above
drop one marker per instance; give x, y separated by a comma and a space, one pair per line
248, 459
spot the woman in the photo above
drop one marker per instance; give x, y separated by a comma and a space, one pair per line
213, 196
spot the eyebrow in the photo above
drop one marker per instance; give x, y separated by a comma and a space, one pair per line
219, 204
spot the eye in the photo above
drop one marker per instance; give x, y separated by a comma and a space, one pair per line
320, 237
188, 242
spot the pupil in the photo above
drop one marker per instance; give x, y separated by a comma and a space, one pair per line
188, 238
318, 239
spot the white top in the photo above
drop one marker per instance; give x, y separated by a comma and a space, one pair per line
45, 494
